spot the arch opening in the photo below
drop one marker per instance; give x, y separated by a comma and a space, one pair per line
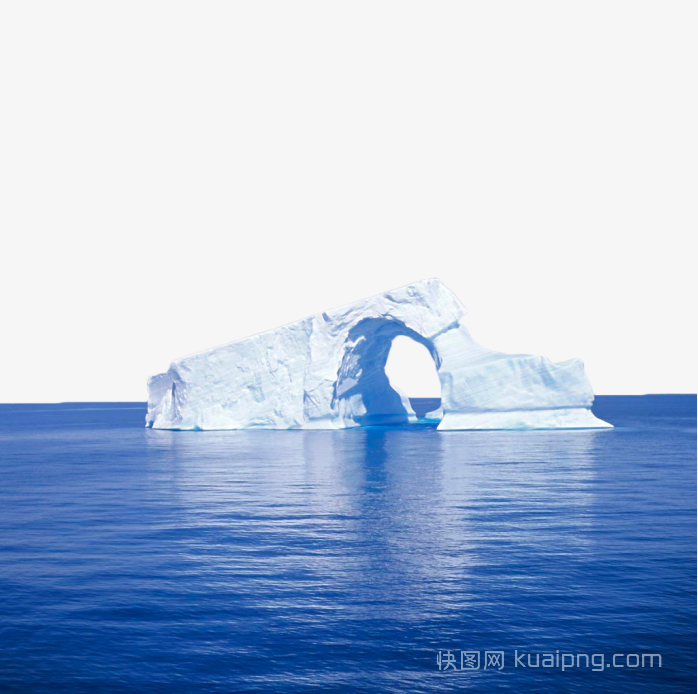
363, 391
411, 370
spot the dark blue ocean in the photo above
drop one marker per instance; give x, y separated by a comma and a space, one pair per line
136, 560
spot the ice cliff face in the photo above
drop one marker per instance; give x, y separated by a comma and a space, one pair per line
327, 372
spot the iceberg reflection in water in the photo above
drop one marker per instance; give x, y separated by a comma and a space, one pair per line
145, 560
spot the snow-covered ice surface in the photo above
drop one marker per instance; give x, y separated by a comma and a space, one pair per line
328, 372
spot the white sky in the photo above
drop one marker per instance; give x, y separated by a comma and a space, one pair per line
179, 175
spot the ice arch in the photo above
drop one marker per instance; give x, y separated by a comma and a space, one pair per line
363, 392
326, 372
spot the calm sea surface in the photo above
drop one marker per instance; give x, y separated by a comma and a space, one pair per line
134, 560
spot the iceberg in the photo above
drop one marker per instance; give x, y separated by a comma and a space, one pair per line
328, 372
